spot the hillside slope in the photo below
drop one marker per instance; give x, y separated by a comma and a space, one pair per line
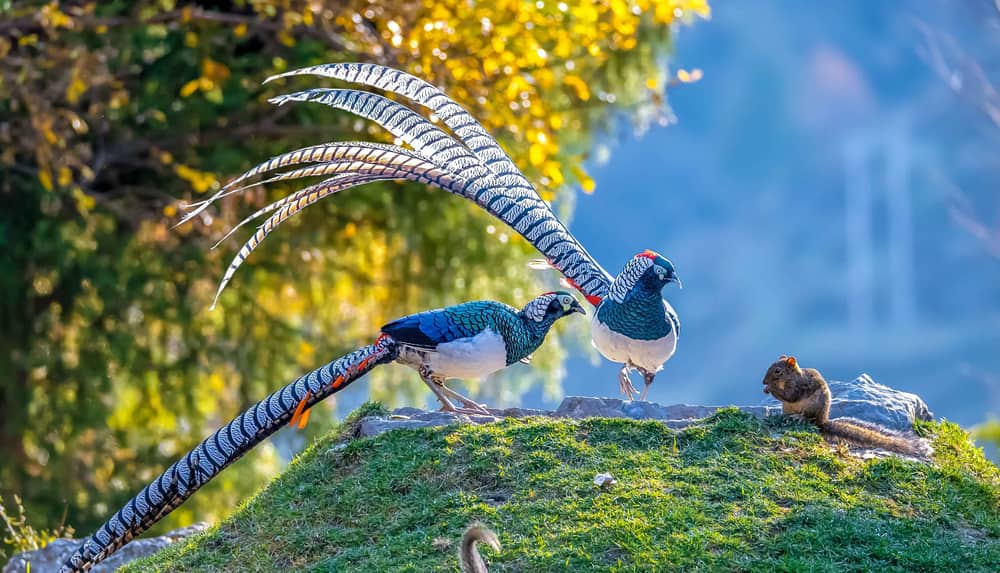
731, 493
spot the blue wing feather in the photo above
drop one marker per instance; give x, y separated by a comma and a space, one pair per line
417, 330
433, 327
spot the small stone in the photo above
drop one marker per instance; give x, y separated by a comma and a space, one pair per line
604, 480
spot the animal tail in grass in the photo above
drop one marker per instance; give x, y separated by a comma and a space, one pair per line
871, 436
468, 553
228, 444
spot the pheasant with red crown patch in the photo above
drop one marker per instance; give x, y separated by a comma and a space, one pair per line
633, 324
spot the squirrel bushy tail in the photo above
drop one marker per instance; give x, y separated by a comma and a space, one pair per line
862, 434
468, 555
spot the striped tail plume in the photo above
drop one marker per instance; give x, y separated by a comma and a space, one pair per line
228, 444
466, 161
469, 131
347, 175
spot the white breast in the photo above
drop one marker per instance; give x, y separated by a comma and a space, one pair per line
649, 355
467, 358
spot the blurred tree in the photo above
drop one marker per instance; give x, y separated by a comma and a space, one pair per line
969, 66
988, 431
111, 112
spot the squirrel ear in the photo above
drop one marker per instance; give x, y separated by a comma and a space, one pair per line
790, 361
783, 357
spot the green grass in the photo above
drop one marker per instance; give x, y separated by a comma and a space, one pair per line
732, 494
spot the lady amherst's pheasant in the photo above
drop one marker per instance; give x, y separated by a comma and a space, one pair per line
633, 325
463, 341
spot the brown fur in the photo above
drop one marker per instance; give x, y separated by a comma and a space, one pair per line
804, 392
468, 556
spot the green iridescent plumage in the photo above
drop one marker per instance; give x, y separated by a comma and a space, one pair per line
522, 334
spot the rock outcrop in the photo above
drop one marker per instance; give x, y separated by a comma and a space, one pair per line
52, 556
861, 398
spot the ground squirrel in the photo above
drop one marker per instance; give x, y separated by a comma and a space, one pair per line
468, 556
804, 392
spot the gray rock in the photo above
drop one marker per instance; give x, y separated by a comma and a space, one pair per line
51, 557
861, 398
586, 407
407, 411
519, 412
373, 426
408, 417
867, 400
680, 415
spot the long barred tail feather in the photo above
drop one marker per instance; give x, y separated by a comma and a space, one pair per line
326, 155
279, 203
479, 169
322, 153
496, 184
408, 166
413, 169
356, 160
327, 152
417, 131
409, 126
174, 486
468, 130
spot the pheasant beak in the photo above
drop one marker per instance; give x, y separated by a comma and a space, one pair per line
677, 280
575, 307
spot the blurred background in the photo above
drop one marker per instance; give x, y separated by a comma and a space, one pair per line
824, 178
828, 190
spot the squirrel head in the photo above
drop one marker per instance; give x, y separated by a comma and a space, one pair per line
777, 374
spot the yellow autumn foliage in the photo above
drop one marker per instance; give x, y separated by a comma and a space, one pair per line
121, 112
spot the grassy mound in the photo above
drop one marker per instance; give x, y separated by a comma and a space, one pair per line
731, 494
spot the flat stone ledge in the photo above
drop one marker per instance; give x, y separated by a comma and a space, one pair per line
678, 416
861, 398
